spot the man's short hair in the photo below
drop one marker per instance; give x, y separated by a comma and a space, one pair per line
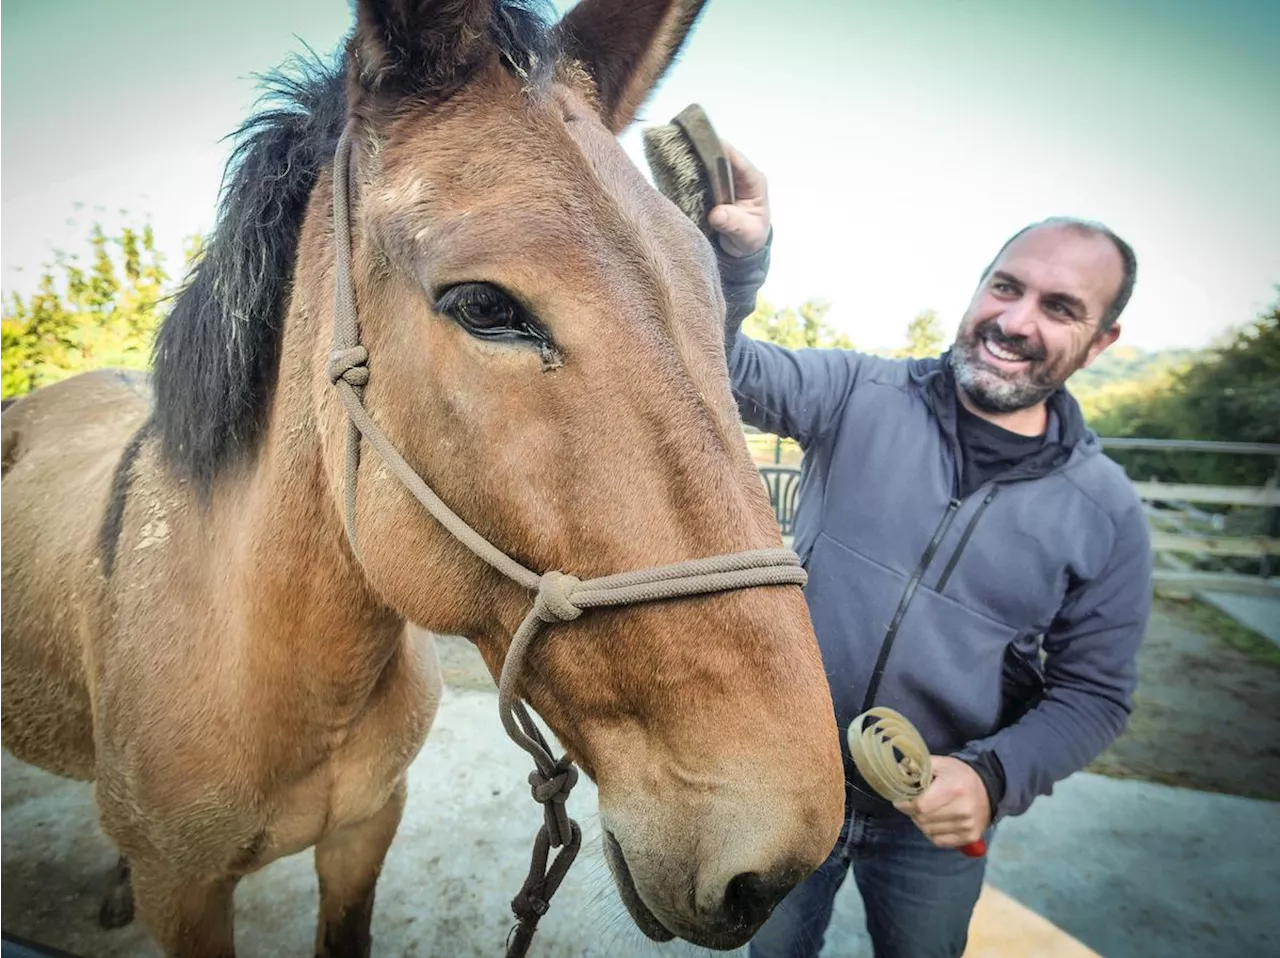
1127, 257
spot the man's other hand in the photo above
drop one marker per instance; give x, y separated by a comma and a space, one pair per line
743, 226
955, 809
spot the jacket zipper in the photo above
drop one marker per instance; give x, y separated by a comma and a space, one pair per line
955, 503
964, 539
905, 601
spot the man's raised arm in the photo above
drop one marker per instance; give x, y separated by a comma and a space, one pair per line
797, 394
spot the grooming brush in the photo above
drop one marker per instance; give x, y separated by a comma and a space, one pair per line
689, 165
890, 754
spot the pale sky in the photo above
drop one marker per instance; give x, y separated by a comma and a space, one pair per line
904, 140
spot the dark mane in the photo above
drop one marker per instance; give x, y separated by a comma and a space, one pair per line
522, 32
216, 354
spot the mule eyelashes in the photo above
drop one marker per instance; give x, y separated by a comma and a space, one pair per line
485, 311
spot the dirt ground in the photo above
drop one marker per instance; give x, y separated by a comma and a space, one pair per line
1207, 713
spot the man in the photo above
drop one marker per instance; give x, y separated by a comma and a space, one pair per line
974, 561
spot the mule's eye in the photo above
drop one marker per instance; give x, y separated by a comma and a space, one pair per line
485, 310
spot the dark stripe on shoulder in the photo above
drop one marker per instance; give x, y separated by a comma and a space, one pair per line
113, 519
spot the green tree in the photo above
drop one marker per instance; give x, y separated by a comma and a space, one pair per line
11, 345
1231, 393
924, 336
795, 328
80, 319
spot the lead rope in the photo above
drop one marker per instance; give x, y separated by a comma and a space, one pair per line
558, 597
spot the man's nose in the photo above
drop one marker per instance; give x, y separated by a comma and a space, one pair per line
1019, 318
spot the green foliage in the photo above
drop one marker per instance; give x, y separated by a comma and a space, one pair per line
1125, 365
13, 379
795, 329
924, 337
81, 318
1231, 394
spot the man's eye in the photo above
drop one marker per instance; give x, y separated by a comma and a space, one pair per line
484, 310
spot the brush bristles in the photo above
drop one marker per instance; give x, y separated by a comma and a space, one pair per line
678, 173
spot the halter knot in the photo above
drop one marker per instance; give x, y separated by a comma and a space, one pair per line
552, 791
350, 364
554, 602
556, 786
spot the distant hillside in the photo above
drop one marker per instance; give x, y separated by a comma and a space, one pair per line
1128, 364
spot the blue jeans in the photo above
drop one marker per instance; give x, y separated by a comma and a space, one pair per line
918, 897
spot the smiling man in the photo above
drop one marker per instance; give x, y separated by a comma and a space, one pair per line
974, 561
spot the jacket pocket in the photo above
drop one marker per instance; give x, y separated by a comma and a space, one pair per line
944, 672
949, 660
1022, 686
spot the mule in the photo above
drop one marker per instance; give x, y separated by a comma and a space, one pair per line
185, 621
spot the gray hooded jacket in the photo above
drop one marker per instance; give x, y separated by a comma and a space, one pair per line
1047, 567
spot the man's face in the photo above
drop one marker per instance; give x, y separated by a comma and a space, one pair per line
1034, 320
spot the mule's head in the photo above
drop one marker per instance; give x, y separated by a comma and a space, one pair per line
547, 352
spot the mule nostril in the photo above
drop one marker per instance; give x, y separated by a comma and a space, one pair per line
750, 897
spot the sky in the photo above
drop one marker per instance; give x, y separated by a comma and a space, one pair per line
903, 140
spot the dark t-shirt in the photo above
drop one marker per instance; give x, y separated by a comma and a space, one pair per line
987, 450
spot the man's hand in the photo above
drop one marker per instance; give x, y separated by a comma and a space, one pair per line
743, 226
955, 809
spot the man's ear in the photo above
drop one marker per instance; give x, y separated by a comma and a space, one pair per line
1100, 343
626, 46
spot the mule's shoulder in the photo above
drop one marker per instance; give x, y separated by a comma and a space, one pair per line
72, 424
98, 409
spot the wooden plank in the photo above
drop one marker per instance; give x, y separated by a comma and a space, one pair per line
1002, 927
1167, 521
1218, 495
1167, 560
1214, 545
1188, 582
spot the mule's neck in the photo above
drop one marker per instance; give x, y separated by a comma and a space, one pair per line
312, 610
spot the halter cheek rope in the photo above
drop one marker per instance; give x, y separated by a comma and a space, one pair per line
557, 597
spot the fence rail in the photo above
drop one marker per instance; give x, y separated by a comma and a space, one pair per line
1183, 537
1195, 445
1210, 495
1245, 546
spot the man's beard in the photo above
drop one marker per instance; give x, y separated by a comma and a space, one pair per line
992, 389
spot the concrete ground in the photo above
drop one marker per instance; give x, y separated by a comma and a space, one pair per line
1127, 867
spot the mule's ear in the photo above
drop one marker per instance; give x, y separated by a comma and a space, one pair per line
418, 46
626, 46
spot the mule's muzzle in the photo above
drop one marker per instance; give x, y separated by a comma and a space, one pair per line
741, 907
645, 919
749, 899
722, 918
